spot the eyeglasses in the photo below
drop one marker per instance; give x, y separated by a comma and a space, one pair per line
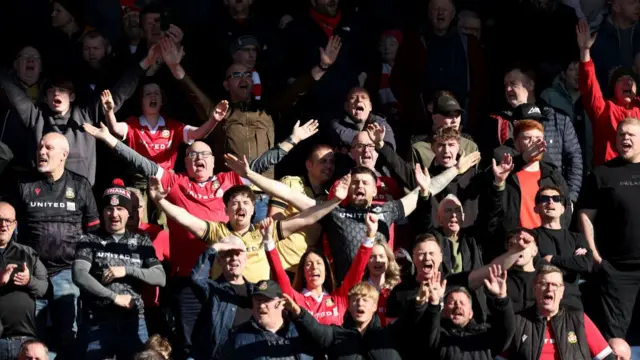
364, 146
7, 221
543, 199
548, 285
239, 75
203, 154
29, 57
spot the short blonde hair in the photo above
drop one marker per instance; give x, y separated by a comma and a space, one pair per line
364, 289
628, 121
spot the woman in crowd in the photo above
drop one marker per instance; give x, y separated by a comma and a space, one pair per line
383, 272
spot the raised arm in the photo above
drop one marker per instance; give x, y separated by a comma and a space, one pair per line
592, 98
271, 187
143, 165
503, 322
274, 259
118, 129
403, 170
359, 264
323, 335
194, 225
409, 202
217, 115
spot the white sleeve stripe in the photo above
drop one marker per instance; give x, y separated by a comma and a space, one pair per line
185, 134
160, 173
603, 354
126, 132
368, 242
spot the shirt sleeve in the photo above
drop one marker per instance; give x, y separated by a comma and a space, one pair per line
90, 214
212, 234
295, 183
148, 253
598, 346
589, 194
84, 249
182, 131
393, 211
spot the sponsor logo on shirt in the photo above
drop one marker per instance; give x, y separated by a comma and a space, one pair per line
108, 255
157, 146
47, 204
205, 197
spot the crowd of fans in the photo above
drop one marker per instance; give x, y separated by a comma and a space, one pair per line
322, 179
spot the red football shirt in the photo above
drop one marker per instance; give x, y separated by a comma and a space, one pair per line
160, 238
598, 346
202, 200
159, 144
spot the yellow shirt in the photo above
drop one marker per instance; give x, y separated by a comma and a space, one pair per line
257, 267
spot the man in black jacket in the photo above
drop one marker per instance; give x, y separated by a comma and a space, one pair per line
361, 333
548, 330
560, 247
454, 334
22, 278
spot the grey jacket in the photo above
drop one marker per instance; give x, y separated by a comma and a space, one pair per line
41, 120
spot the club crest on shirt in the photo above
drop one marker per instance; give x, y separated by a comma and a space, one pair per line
572, 338
165, 133
70, 194
132, 244
263, 286
329, 302
114, 201
219, 193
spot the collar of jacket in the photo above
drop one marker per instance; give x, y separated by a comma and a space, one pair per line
471, 327
372, 118
350, 324
244, 105
533, 314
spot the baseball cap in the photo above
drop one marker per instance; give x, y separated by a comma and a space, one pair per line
267, 288
242, 41
234, 240
527, 111
445, 105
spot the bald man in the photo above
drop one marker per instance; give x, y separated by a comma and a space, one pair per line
55, 206
621, 349
33, 350
22, 278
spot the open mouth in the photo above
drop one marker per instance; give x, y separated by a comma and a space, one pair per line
153, 103
360, 312
360, 194
447, 158
626, 146
200, 165
241, 214
427, 268
243, 86
42, 162
30, 67
57, 102
379, 266
547, 299
627, 92
315, 276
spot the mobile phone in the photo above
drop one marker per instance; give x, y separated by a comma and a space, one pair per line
165, 21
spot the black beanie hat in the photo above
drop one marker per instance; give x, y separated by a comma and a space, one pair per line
117, 195
73, 7
619, 72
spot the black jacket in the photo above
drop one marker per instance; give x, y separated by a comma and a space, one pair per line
341, 131
569, 333
474, 341
347, 343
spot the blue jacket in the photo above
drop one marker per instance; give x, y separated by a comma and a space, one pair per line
222, 302
250, 341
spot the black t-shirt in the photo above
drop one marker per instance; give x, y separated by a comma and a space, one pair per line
242, 314
520, 288
613, 189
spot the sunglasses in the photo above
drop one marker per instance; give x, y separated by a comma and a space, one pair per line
542, 199
239, 75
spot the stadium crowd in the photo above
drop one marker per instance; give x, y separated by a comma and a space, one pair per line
319, 179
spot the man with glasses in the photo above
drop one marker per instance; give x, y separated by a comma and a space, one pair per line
560, 247
548, 330
22, 278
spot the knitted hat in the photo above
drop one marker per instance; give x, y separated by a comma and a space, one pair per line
74, 8
117, 195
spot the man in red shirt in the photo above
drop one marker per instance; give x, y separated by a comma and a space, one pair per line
563, 333
605, 114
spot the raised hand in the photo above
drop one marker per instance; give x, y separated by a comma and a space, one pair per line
156, 191
107, 101
170, 53
23, 277
154, 53
222, 247
585, 40
371, 220
502, 171
525, 240
101, 133
284, 21
423, 294
291, 305
112, 273
330, 52
220, 110
125, 301
342, 188
376, 134
305, 131
437, 288
266, 228
5, 274
466, 162
423, 179
535, 150
240, 167
175, 34
496, 283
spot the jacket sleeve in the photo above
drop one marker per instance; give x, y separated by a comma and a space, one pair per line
421, 218
6, 155
430, 324
203, 104
200, 272
322, 335
571, 158
38, 283
143, 165
581, 264
402, 170
356, 270
344, 134
594, 103
389, 136
503, 324
268, 159
121, 92
27, 110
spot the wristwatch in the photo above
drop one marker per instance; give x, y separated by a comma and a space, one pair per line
290, 141
323, 68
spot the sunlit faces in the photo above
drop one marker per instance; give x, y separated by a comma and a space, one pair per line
151, 99
28, 65
232, 262
314, 271
378, 261
238, 82
59, 99
362, 308
60, 16
549, 289
517, 87
53, 150
34, 351
625, 89
427, 257
240, 209
363, 151
446, 151
321, 164
527, 255
450, 215
266, 310
550, 204
362, 190
441, 13
457, 308
388, 48
199, 161
527, 139
115, 219
627, 142
7, 222
358, 104
151, 28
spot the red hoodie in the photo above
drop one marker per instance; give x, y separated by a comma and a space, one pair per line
605, 115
